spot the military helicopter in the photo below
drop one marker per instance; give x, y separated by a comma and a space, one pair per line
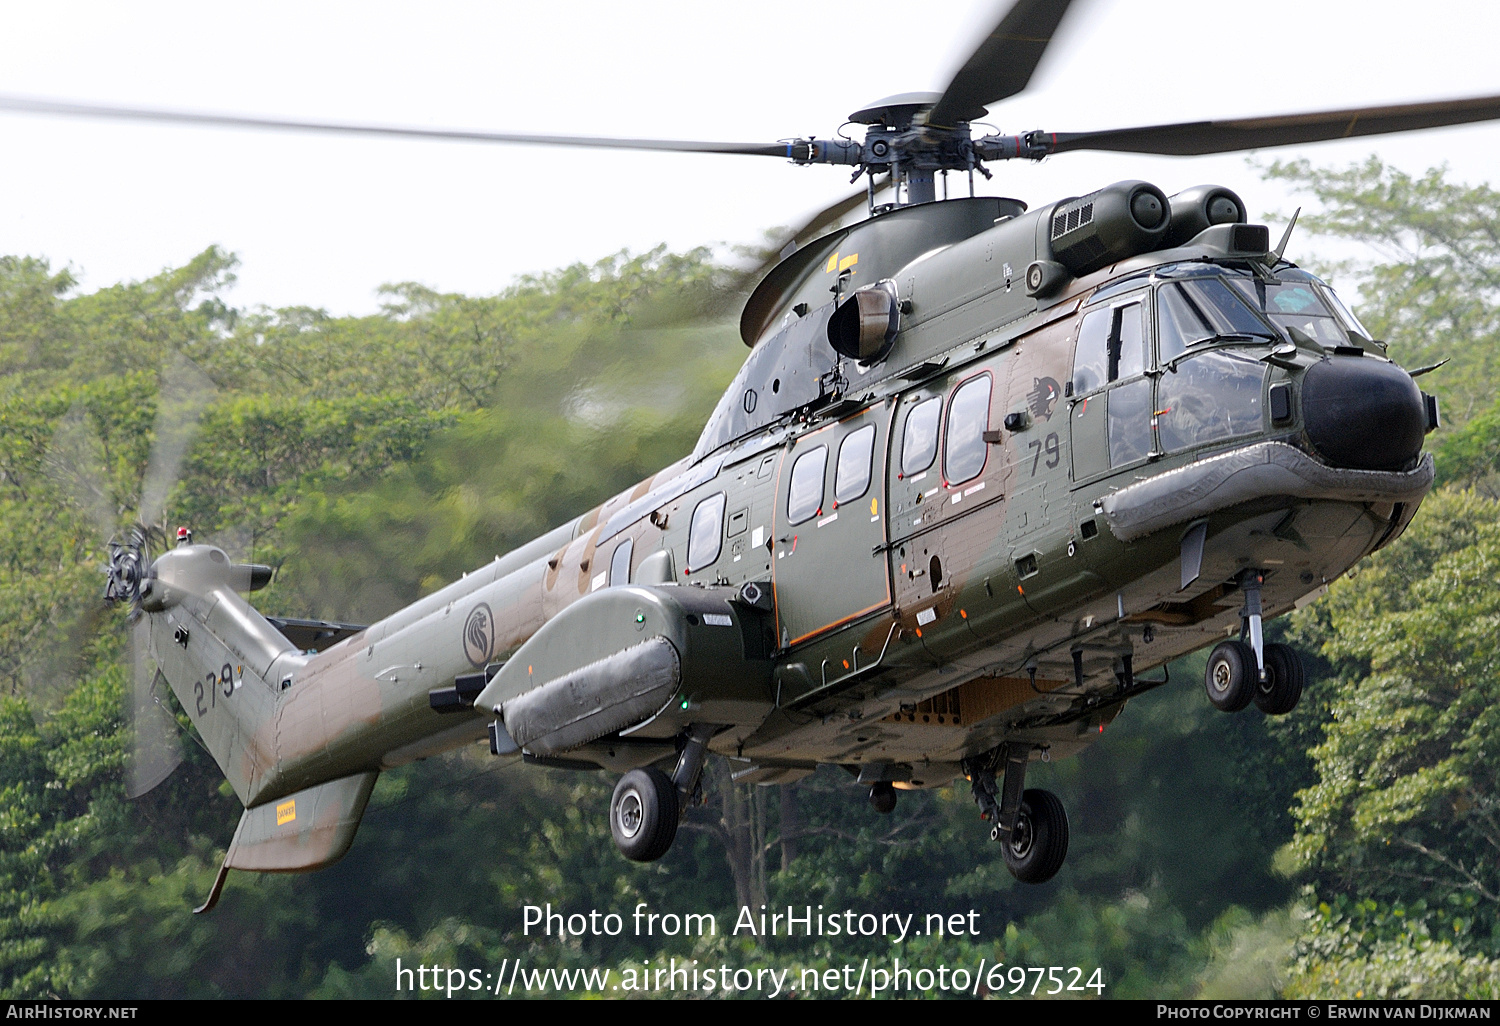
983, 468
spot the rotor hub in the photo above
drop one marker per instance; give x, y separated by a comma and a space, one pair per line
128, 572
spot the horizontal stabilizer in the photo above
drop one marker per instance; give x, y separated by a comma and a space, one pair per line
313, 635
299, 832
306, 830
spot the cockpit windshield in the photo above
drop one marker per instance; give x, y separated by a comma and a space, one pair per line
1198, 310
1345, 314
1295, 304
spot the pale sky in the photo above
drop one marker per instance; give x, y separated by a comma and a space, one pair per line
323, 221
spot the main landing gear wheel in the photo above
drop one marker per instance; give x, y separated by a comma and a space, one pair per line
643, 814
1231, 678
1039, 842
1284, 681
883, 798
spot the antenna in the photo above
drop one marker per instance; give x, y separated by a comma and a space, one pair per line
1286, 236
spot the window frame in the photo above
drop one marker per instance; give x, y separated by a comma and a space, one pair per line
628, 548
791, 484
948, 422
723, 500
936, 435
869, 466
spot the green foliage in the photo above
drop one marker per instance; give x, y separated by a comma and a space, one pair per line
1360, 949
1433, 293
1405, 798
1470, 456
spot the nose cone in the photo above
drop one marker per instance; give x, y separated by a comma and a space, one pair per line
1363, 413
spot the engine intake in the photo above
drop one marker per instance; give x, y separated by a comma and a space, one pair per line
1117, 222
1200, 207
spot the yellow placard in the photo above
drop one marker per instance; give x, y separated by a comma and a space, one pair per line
848, 261
286, 812
833, 262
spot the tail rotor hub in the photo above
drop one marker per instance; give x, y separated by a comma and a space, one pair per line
127, 575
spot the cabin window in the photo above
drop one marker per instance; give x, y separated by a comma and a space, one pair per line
965, 449
919, 442
1200, 310
852, 479
706, 533
1209, 397
619, 564
805, 493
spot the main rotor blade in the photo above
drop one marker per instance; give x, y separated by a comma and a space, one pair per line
158, 749
1003, 64
37, 105
807, 231
1197, 137
185, 392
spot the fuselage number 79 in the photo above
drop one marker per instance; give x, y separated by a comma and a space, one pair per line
1052, 447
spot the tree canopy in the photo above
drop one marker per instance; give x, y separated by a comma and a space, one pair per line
1348, 848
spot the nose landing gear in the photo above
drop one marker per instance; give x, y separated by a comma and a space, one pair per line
1245, 670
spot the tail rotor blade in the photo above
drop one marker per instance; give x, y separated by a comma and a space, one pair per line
75, 463
158, 749
185, 392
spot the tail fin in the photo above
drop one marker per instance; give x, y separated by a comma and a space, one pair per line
224, 662
219, 656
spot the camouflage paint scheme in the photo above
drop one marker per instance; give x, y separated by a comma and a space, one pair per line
908, 621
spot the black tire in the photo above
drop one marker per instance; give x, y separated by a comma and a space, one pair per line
883, 798
1231, 677
643, 814
1039, 843
1285, 679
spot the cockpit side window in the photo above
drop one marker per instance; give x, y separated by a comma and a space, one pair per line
1127, 354
1091, 360
1345, 314
1112, 346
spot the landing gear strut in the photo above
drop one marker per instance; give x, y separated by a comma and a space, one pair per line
1031, 825
1248, 669
647, 804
